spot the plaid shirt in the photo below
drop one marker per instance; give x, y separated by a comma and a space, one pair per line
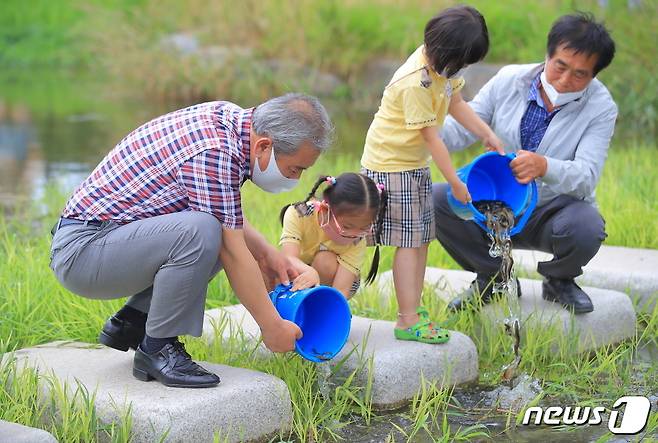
536, 119
191, 159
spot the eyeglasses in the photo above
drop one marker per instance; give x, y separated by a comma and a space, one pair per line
344, 232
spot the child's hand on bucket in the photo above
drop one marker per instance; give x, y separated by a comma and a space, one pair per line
460, 191
306, 279
276, 267
492, 143
281, 335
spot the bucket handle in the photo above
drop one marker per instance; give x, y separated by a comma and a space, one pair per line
280, 288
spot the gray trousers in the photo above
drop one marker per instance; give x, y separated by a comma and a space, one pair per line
570, 229
162, 263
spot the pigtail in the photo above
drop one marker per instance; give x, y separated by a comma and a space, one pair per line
298, 205
379, 227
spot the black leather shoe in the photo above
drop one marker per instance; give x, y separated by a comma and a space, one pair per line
568, 294
122, 334
172, 366
479, 292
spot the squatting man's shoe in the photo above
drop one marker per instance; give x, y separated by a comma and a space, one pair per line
122, 334
172, 366
568, 294
479, 292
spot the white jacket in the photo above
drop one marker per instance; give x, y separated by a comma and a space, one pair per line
575, 143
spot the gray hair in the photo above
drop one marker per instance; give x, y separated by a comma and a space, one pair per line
291, 120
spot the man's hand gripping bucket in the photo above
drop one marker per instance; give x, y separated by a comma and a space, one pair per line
323, 315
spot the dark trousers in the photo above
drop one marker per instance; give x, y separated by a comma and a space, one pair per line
570, 229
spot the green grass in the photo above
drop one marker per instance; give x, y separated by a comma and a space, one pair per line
568, 378
53, 54
40, 33
66, 411
36, 309
627, 197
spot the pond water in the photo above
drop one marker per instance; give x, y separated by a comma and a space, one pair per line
471, 405
40, 146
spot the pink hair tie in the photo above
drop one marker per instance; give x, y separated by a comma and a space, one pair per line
330, 180
380, 187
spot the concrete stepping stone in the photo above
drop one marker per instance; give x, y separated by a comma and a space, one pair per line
398, 367
17, 433
629, 270
246, 406
612, 321
230, 321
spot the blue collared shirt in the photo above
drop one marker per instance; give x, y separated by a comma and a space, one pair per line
536, 119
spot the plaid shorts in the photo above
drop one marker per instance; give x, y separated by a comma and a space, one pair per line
409, 217
355, 287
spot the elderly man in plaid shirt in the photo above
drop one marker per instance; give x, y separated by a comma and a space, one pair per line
161, 215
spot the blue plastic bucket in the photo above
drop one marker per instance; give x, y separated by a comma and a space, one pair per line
489, 177
323, 315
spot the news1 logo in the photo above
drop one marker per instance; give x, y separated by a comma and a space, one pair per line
632, 421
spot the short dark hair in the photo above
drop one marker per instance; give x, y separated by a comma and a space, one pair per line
454, 38
581, 33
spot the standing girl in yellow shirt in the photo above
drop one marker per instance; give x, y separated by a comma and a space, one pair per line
402, 138
325, 237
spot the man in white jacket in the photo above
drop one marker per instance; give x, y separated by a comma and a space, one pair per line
558, 119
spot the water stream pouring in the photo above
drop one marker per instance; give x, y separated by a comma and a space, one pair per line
323, 315
498, 200
500, 222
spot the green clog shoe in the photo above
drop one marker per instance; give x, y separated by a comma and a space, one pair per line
425, 331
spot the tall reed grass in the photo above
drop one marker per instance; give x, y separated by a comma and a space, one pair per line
343, 37
121, 42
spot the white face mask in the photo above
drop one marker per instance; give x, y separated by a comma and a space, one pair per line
557, 98
271, 180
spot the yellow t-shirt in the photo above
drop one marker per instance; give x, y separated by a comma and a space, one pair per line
394, 142
307, 233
